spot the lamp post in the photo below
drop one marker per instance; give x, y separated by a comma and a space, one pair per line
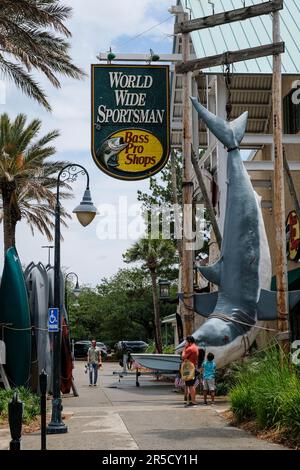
49, 248
76, 290
85, 212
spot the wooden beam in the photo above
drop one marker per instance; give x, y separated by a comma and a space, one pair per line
102, 56
231, 16
230, 57
268, 165
187, 305
279, 192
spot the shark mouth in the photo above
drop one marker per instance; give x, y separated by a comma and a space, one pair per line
109, 151
221, 329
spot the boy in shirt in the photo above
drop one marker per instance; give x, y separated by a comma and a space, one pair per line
209, 373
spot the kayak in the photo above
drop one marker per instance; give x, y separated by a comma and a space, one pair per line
38, 291
66, 354
14, 310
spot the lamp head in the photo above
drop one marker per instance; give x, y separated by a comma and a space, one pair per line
164, 289
76, 290
86, 210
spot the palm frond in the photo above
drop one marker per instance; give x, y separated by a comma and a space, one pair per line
29, 32
24, 81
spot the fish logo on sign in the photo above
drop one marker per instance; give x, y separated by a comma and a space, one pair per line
53, 319
130, 119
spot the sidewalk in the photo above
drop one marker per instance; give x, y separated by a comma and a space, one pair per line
119, 415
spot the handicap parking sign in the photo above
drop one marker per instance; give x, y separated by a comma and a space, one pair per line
53, 319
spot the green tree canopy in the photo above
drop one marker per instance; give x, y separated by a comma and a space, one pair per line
119, 308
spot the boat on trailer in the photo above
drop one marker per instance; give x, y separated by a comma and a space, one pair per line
158, 362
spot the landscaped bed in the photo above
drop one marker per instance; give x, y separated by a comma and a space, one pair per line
31, 405
265, 397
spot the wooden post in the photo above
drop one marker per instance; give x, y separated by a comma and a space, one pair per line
279, 202
187, 191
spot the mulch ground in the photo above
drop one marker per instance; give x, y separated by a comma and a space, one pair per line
35, 424
277, 436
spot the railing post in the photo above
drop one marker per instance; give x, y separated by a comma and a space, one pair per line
43, 389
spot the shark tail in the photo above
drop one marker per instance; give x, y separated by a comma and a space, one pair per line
229, 133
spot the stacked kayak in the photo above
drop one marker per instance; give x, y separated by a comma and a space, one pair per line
66, 353
24, 302
14, 311
38, 292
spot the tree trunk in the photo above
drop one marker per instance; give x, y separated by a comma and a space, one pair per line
7, 226
158, 340
175, 200
13, 232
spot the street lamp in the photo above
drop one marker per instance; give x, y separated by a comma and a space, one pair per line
164, 289
49, 248
85, 212
76, 292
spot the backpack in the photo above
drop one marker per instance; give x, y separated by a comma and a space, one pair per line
187, 370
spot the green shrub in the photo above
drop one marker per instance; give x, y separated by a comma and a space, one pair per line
151, 347
30, 400
170, 349
267, 389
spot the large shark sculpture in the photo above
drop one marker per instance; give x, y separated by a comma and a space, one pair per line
243, 272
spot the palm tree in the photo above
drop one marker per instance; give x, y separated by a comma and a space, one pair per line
29, 40
156, 255
27, 179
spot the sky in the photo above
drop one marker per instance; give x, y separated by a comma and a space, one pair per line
96, 25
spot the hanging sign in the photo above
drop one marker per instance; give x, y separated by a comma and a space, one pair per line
293, 236
130, 119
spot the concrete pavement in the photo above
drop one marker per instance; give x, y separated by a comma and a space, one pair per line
119, 415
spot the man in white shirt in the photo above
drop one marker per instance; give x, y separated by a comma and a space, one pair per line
94, 362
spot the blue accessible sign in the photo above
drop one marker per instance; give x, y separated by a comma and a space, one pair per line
53, 319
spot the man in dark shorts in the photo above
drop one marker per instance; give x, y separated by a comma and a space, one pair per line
190, 353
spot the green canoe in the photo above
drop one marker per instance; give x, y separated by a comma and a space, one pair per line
14, 309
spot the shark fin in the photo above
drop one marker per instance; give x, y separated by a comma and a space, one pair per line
267, 305
212, 273
294, 298
204, 304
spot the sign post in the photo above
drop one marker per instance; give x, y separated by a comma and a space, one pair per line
53, 320
130, 119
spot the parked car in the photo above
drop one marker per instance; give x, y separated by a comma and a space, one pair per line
103, 349
123, 347
81, 349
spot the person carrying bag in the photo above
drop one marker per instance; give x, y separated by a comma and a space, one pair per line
188, 368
